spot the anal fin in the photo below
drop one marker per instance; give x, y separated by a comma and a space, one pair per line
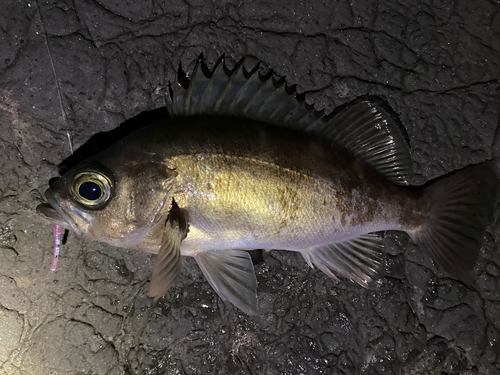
359, 259
231, 274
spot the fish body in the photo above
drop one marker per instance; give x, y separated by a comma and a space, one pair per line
244, 166
247, 185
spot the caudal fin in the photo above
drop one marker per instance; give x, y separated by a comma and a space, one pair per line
461, 207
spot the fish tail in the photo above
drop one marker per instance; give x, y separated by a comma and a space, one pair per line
461, 207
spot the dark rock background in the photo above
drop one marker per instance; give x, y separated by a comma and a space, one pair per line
86, 66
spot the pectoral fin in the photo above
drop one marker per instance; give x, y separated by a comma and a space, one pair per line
231, 274
359, 259
168, 265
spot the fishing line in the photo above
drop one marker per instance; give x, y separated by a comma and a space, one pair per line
63, 111
57, 228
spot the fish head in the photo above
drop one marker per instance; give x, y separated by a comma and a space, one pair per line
112, 201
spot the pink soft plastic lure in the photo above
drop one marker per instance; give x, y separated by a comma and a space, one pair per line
57, 237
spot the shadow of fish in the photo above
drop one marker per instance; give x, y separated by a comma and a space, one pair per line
242, 164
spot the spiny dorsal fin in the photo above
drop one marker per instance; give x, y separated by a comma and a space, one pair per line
238, 93
364, 127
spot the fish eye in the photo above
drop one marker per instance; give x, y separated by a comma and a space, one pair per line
91, 188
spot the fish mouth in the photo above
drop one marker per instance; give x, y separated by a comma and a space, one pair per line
52, 211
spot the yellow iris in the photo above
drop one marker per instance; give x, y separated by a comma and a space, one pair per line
91, 188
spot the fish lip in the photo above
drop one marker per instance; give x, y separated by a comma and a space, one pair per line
54, 213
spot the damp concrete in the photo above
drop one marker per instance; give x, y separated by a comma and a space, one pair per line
83, 67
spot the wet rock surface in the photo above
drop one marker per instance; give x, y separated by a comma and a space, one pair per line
87, 66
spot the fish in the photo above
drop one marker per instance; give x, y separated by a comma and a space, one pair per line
244, 163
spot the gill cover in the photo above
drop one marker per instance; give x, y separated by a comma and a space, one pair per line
140, 197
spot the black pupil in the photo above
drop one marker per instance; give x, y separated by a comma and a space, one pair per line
90, 190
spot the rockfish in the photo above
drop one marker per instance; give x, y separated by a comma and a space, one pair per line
242, 164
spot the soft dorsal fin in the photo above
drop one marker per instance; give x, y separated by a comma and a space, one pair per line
367, 129
363, 127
